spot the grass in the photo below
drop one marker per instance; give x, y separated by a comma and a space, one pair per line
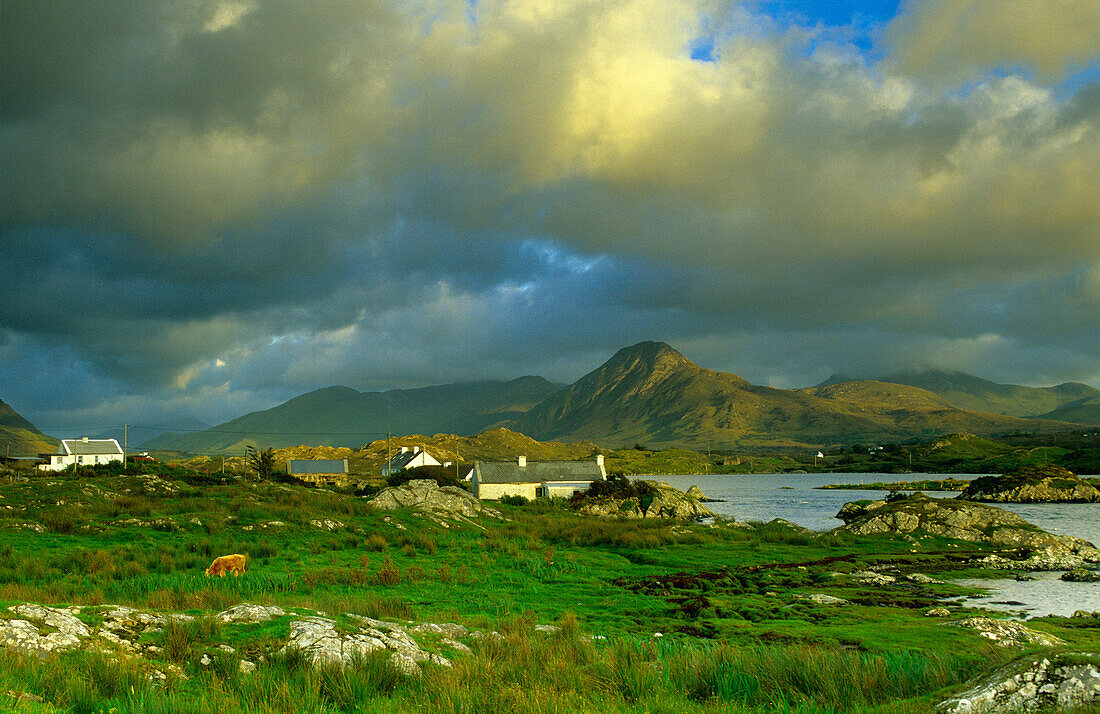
735, 635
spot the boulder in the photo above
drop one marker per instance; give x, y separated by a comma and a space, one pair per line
977, 522
1032, 484
665, 502
1081, 575
1046, 683
426, 495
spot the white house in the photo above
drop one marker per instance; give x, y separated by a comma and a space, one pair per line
82, 451
409, 458
493, 480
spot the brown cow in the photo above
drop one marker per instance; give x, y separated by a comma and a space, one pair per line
227, 564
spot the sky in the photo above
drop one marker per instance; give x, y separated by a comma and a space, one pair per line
211, 206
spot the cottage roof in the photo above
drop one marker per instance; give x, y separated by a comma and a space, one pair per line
317, 466
88, 447
402, 459
537, 471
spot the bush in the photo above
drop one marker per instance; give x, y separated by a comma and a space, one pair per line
616, 487
514, 500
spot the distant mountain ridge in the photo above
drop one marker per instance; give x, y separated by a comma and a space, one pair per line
19, 437
652, 394
646, 393
1070, 401
342, 416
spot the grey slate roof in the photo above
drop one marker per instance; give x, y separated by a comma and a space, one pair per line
401, 460
89, 447
536, 471
317, 466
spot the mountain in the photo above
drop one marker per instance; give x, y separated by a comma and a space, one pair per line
18, 437
969, 392
652, 394
342, 416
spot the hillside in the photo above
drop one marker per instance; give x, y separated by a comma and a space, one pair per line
19, 437
342, 416
651, 393
1071, 401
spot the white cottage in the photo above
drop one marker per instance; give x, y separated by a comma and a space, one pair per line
82, 451
493, 480
409, 458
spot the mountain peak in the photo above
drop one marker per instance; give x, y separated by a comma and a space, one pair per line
651, 355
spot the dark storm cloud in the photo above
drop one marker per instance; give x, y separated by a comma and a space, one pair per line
211, 205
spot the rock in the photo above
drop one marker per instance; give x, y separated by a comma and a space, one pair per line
665, 502
456, 645
427, 496
823, 599
319, 639
857, 509
22, 636
869, 577
64, 621
247, 612
326, 524
246, 667
962, 520
1081, 575
24, 697
1032, 484
447, 629
1047, 683
1008, 634
938, 612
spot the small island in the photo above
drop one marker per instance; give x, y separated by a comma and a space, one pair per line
1032, 484
946, 484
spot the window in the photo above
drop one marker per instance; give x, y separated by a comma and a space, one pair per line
79, 459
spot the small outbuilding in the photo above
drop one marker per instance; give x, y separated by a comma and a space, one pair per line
492, 480
317, 470
82, 451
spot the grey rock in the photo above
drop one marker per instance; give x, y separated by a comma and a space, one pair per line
64, 621
247, 612
978, 522
23, 636
446, 629
426, 495
1008, 634
1034, 684
1031, 484
668, 502
823, 599
1081, 575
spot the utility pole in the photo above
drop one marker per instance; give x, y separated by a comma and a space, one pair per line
386, 468
125, 445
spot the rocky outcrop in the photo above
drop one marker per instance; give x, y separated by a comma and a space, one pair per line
427, 496
1042, 484
1008, 634
663, 501
1081, 575
1052, 683
962, 520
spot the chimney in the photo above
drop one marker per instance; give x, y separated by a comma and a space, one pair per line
522, 461
404, 449
599, 465
84, 440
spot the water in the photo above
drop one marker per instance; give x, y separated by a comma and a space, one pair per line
794, 497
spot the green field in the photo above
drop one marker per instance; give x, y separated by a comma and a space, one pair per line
734, 633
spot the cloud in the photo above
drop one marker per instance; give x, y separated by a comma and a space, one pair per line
262, 199
954, 41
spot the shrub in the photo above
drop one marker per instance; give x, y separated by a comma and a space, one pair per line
443, 476
514, 500
617, 487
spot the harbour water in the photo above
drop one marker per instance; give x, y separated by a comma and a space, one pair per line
796, 498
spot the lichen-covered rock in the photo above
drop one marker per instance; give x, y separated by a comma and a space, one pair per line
319, 638
62, 620
426, 495
664, 502
1008, 634
1032, 484
1081, 575
963, 520
247, 612
1051, 683
23, 636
